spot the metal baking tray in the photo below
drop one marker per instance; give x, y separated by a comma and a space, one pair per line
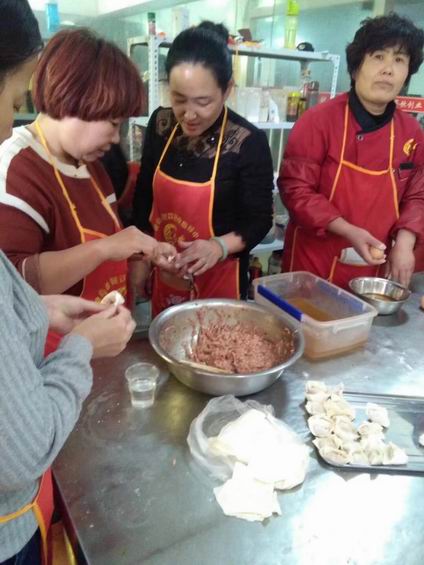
406, 414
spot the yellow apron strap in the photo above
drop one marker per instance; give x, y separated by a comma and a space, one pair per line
168, 143
342, 152
219, 146
71, 205
391, 169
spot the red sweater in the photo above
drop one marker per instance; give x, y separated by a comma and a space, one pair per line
34, 215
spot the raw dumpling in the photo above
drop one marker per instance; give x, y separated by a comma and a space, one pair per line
367, 429
316, 391
337, 406
344, 429
377, 414
335, 456
330, 441
314, 407
374, 448
320, 426
114, 298
394, 455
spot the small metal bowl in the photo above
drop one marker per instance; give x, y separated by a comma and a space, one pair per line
386, 296
173, 330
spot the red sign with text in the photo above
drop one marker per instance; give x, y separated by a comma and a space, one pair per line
411, 104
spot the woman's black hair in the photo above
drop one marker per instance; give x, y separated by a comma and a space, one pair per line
20, 36
386, 31
207, 45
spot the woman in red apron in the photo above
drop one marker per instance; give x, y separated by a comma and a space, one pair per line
350, 178
206, 176
67, 236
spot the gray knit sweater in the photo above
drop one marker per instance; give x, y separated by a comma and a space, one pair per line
40, 400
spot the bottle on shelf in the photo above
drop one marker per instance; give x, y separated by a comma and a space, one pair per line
313, 93
292, 106
290, 24
274, 263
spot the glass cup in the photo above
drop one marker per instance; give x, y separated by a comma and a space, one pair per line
142, 380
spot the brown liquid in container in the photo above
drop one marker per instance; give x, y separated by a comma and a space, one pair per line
310, 309
375, 296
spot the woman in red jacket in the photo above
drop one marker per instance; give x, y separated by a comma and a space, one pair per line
352, 176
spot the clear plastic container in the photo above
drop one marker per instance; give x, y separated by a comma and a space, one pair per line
337, 321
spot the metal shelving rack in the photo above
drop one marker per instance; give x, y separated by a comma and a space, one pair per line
154, 43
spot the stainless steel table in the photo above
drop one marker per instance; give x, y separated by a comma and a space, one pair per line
134, 496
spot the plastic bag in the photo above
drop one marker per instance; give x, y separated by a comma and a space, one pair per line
216, 414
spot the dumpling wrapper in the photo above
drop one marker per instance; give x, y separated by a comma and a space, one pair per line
244, 497
113, 298
240, 438
377, 414
284, 467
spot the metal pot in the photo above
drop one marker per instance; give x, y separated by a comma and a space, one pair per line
173, 329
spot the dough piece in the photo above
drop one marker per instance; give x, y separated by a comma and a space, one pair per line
320, 426
114, 298
377, 414
245, 497
421, 440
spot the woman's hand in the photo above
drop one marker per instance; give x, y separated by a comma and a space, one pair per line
198, 256
401, 260
361, 239
127, 242
65, 312
108, 332
138, 276
164, 256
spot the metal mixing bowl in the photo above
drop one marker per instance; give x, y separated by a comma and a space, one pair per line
172, 331
368, 288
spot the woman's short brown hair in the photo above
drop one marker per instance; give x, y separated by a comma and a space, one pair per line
84, 76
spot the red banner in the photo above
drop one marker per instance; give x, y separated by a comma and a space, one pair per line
411, 104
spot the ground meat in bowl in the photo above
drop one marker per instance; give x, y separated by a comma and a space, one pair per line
241, 347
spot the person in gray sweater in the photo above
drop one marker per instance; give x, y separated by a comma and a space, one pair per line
40, 397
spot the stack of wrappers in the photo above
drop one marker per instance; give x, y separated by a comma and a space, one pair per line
267, 457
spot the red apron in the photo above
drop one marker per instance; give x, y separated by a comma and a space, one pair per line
42, 506
366, 198
182, 211
110, 275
